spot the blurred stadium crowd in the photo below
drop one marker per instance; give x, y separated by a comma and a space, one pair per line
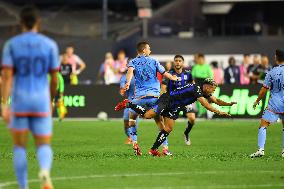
250, 70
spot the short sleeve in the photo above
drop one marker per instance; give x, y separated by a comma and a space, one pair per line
131, 64
122, 81
189, 76
7, 60
54, 58
160, 68
198, 92
78, 59
268, 80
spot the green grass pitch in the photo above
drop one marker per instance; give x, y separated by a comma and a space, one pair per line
92, 154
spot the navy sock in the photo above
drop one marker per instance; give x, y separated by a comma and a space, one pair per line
137, 108
188, 128
162, 136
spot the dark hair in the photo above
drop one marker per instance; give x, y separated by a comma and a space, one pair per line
214, 64
179, 56
210, 81
232, 60
29, 15
264, 55
141, 46
246, 55
279, 55
200, 55
121, 51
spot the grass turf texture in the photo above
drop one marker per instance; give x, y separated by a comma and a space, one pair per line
217, 158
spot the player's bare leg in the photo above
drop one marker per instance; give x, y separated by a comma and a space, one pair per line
150, 114
147, 114
261, 138
191, 120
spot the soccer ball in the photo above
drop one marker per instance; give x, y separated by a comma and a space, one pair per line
102, 116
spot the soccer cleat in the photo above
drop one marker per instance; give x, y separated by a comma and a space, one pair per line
187, 140
282, 153
128, 141
258, 153
137, 149
154, 152
45, 179
121, 105
166, 152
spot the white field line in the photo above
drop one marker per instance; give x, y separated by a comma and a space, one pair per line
11, 183
241, 186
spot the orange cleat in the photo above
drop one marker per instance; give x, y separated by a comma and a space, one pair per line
47, 187
137, 149
121, 105
154, 152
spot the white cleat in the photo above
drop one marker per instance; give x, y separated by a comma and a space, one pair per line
187, 140
45, 179
258, 153
282, 153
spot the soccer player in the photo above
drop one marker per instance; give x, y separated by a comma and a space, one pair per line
58, 101
147, 86
200, 71
185, 78
129, 94
27, 59
274, 81
171, 103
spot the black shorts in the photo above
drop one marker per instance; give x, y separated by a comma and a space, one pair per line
163, 103
172, 114
188, 109
163, 107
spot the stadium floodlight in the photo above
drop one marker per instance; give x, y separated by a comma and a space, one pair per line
144, 12
217, 8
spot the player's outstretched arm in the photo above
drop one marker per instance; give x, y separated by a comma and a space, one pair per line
7, 80
261, 94
221, 102
207, 105
129, 76
170, 76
